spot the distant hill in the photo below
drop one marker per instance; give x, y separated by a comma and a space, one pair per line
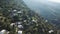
49, 10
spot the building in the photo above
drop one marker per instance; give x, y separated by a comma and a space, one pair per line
19, 32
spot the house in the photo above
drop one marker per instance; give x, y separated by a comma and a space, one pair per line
19, 32
51, 31
3, 32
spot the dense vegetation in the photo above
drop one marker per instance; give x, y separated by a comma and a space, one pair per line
13, 11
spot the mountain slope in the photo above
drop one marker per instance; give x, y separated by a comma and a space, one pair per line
30, 21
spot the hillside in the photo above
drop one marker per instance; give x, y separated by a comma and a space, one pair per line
23, 18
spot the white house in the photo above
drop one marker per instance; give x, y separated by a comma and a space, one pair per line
20, 26
46, 20
14, 10
2, 31
12, 24
18, 23
19, 12
34, 20
51, 31
19, 32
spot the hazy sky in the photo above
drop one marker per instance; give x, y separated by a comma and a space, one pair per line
57, 1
